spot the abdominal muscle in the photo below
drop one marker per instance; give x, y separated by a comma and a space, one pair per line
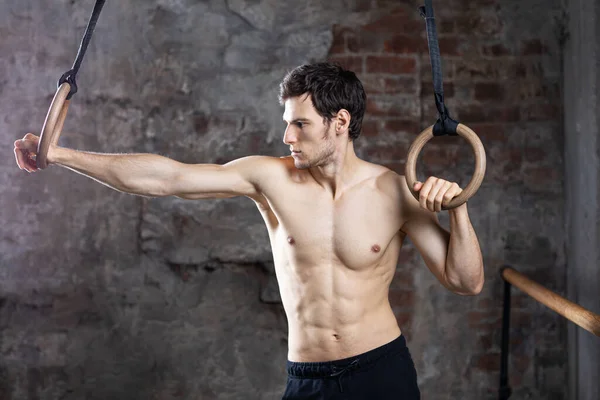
335, 312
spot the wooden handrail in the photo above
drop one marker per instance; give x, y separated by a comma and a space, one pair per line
572, 311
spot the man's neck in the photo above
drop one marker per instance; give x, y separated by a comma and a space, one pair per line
340, 172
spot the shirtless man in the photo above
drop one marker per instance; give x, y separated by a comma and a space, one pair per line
336, 224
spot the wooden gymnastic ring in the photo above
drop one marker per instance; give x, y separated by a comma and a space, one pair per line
53, 124
474, 141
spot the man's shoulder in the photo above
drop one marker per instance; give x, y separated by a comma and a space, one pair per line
390, 182
259, 162
262, 169
383, 176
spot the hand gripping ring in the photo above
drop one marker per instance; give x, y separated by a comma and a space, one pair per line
53, 124
474, 141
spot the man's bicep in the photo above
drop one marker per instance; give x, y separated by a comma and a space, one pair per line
236, 178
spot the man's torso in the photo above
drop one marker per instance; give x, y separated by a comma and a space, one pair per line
335, 256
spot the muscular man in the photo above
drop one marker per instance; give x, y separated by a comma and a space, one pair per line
336, 225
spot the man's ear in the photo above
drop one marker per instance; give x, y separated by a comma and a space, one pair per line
342, 121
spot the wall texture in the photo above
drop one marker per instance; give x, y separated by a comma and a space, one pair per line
105, 295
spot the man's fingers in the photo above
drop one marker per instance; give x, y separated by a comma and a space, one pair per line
444, 192
31, 164
18, 158
28, 145
424, 192
433, 193
25, 152
452, 192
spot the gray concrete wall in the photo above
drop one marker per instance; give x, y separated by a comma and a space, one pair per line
105, 295
582, 189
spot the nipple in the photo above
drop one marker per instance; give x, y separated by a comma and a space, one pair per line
375, 248
291, 240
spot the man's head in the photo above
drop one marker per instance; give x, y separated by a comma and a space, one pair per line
331, 88
314, 96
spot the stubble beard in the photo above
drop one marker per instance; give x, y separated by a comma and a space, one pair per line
324, 155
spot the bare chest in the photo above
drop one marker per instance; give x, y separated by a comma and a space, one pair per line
310, 228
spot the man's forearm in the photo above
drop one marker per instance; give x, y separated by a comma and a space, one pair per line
464, 263
142, 174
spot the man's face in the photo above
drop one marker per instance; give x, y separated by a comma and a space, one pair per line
311, 140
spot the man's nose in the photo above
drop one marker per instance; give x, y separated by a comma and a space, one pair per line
290, 137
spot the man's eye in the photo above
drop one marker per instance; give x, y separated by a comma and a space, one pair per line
299, 124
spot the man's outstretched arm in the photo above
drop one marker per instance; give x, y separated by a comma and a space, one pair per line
151, 175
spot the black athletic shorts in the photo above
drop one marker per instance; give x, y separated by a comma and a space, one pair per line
387, 372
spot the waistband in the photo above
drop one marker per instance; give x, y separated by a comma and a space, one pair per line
332, 368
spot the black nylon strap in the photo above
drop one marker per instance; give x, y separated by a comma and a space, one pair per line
444, 125
70, 75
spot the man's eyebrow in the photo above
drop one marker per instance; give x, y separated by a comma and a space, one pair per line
297, 120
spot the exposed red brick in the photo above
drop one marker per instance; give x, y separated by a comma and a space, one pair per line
520, 362
475, 318
405, 44
540, 177
488, 362
397, 166
495, 50
506, 155
376, 84
486, 342
475, 24
489, 327
476, 113
386, 153
351, 62
520, 318
532, 154
520, 300
482, 69
338, 44
427, 90
400, 125
526, 68
449, 46
540, 112
370, 128
489, 91
387, 64
446, 156
397, 20
489, 133
358, 41
445, 26
485, 303
399, 107
447, 68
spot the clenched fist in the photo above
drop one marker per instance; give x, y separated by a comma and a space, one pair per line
436, 193
26, 152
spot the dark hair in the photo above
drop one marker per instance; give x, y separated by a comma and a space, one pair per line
331, 88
